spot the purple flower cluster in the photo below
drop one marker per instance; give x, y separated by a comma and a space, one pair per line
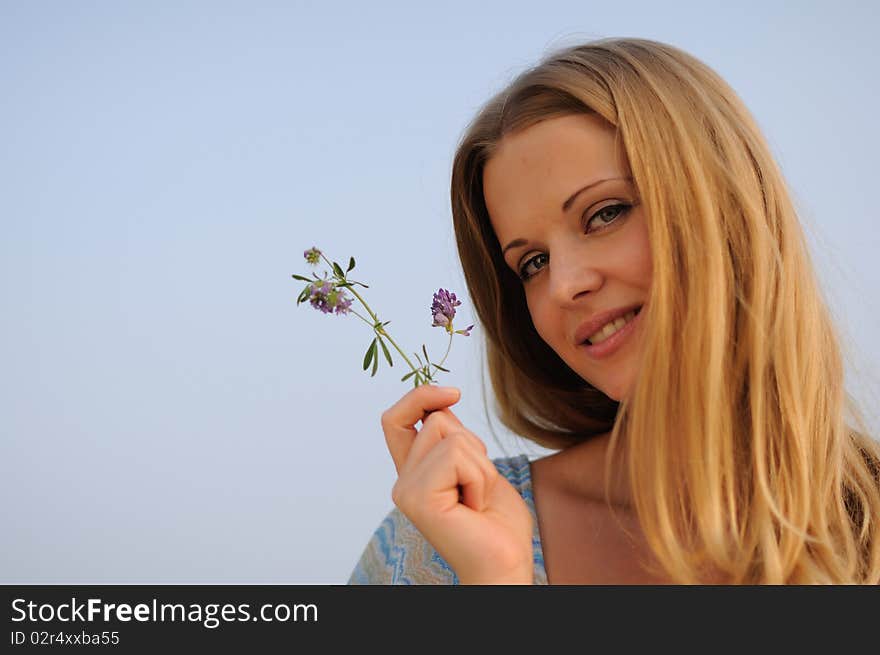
443, 311
325, 296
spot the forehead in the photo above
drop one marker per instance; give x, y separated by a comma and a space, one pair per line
536, 169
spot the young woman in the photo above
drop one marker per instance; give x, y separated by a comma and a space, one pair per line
652, 314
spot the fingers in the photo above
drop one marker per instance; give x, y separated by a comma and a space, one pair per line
399, 420
439, 425
434, 463
476, 480
431, 483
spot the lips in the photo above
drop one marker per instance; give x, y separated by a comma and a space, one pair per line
589, 328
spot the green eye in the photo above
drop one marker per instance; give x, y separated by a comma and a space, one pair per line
622, 209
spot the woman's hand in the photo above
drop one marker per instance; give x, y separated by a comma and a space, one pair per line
486, 534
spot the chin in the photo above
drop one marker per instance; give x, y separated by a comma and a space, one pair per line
617, 388
615, 392
613, 396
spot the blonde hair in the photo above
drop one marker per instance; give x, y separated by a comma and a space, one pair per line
735, 436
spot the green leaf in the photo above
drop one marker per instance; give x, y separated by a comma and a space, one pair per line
386, 323
338, 270
300, 277
362, 284
445, 370
343, 285
426, 354
375, 361
408, 375
385, 350
350, 264
419, 360
368, 357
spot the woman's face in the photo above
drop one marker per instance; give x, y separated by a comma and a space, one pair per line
568, 220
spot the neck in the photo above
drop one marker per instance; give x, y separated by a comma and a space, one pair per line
580, 471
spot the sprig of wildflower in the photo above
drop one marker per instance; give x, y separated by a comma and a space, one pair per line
330, 295
443, 311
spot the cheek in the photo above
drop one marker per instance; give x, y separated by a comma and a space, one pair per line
643, 257
535, 314
543, 321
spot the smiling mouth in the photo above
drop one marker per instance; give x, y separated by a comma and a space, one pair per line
636, 311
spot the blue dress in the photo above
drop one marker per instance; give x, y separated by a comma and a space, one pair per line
397, 553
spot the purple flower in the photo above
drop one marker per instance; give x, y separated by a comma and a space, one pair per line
312, 255
343, 303
443, 309
326, 297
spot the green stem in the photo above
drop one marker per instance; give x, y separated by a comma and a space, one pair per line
377, 328
381, 331
361, 317
447, 353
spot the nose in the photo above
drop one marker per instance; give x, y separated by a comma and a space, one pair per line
572, 277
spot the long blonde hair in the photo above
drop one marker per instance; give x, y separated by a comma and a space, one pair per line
741, 458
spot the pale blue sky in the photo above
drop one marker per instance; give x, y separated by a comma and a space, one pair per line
168, 413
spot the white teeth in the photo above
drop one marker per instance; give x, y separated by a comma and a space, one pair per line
611, 327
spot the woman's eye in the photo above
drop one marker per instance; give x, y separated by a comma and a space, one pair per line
522, 272
621, 209
604, 219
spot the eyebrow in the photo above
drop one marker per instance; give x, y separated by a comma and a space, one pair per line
565, 207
